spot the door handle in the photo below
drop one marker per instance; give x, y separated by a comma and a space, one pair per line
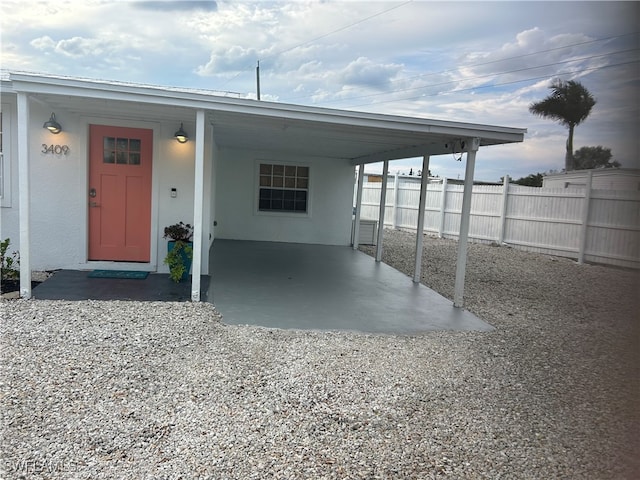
92, 192
94, 204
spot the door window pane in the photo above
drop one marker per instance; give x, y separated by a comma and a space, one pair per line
134, 145
122, 144
109, 147
122, 151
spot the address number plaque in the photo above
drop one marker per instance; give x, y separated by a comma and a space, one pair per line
55, 149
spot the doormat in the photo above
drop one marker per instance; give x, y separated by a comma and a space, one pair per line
118, 274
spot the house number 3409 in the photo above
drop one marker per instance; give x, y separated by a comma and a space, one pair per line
55, 149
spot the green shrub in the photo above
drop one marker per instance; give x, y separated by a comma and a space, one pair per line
10, 262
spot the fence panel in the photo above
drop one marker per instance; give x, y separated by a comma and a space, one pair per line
613, 228
542, 220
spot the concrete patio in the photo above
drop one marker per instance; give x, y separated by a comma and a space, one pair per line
320, 287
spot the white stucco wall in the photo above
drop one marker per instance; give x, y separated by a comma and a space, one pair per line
215, 152
9, 203
59, 186
330, 201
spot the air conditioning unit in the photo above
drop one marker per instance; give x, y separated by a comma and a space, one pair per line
368, 232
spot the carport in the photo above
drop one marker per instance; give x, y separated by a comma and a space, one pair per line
364, 138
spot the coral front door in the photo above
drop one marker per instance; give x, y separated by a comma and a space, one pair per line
120, 193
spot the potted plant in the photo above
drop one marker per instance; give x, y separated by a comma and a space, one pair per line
179, 250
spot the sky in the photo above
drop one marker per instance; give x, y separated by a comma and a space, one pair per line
478, 62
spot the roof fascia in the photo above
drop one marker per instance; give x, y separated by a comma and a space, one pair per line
154, 95
6, 87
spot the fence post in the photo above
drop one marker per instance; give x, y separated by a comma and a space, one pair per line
503, 213
395, 201
443, 203
585, 218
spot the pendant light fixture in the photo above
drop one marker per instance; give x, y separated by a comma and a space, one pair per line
52, 125
181, 136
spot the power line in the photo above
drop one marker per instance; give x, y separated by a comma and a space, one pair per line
320, 37
442, 72
590, 69
478, 77
543, 51
341, 28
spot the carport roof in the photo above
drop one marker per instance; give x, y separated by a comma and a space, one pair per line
269, 126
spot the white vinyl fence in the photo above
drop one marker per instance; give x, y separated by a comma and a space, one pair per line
600, 226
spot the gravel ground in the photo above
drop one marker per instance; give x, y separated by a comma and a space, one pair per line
166, 391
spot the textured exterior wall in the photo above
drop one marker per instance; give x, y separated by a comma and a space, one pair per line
330, 201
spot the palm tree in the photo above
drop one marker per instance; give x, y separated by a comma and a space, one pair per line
570, 104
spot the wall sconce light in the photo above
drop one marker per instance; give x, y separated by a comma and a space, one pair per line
181, 136
52, 125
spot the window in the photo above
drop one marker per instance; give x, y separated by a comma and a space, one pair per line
123, 151
283, 188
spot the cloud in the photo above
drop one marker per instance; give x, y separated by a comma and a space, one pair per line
363, 71
229, 60
96, 50
533, 54
77, 47
176, 5
43, 43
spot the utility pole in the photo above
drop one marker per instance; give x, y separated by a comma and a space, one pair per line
258, 78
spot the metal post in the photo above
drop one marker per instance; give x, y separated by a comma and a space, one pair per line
356, 224
198, 206
258, 79
461, 263
383, 204
24, 195
420, 230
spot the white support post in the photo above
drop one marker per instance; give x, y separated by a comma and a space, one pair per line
24, 196
585, 218
396, 190
443, 204
383, 204
198, 207
461, 263
503, 212
356, 224
420, 230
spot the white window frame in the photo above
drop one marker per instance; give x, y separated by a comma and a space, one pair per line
281, 213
